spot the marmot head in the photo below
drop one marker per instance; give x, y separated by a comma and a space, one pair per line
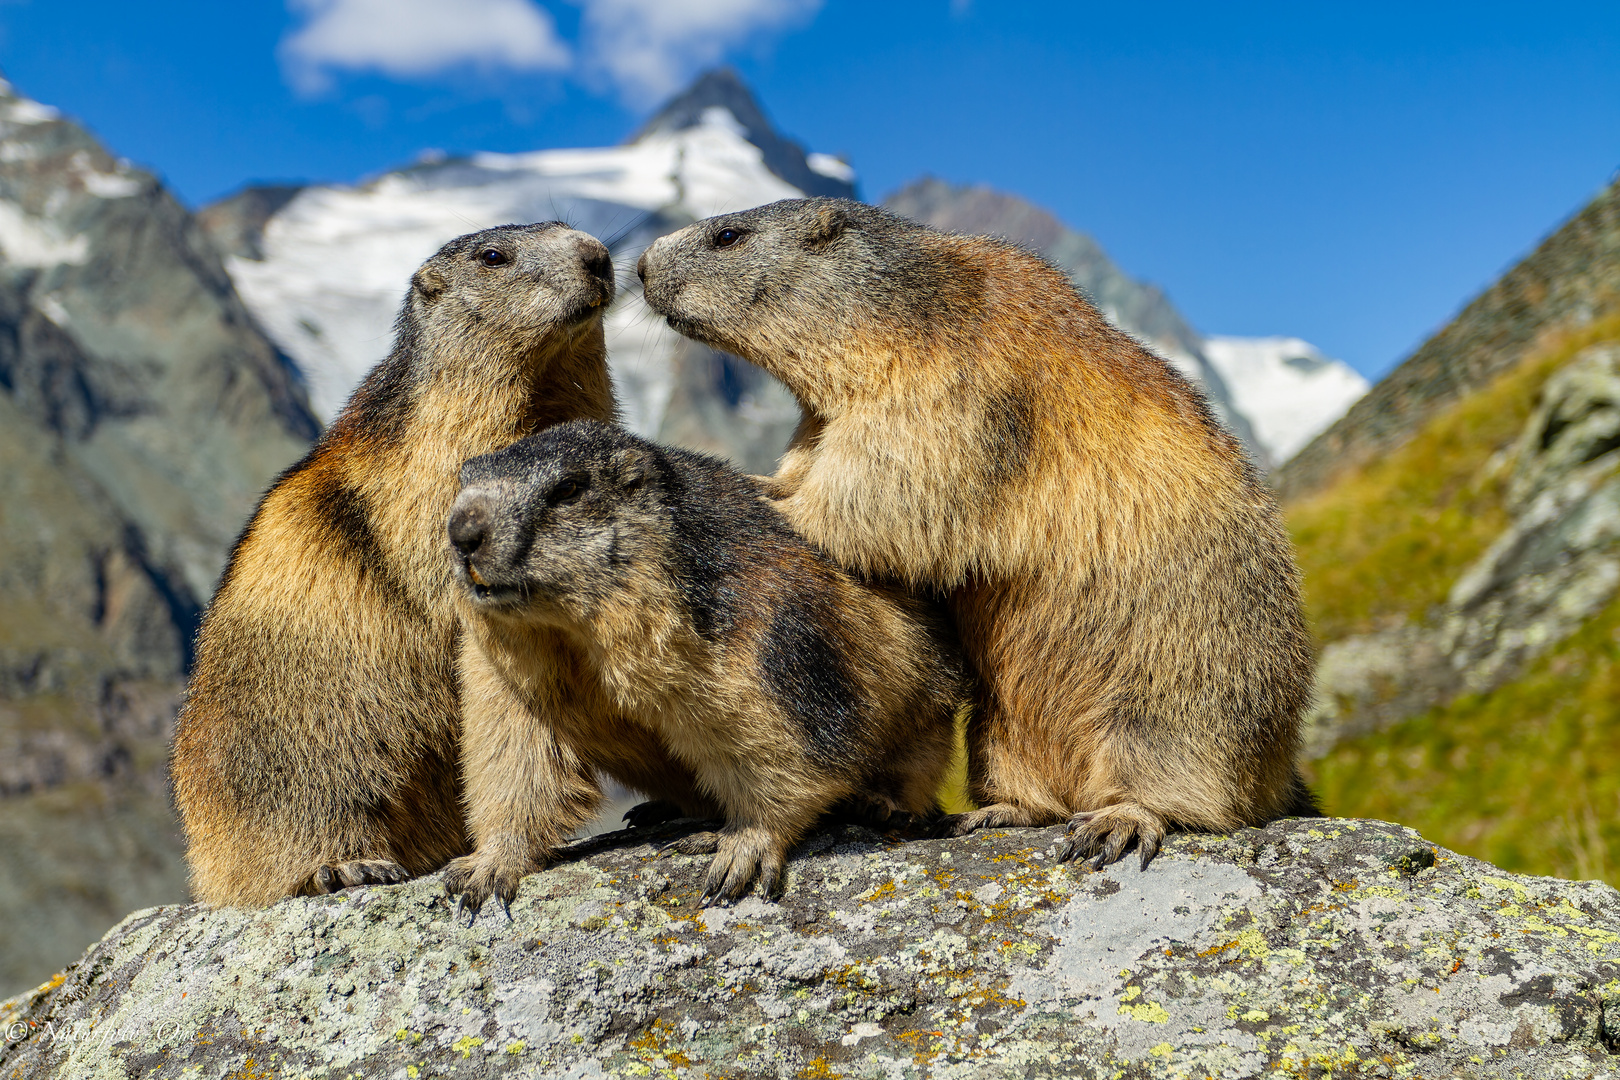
511, 287
554, 524
795, 285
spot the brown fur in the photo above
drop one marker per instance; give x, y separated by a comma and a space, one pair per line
641, 612
318, 743
1123, 585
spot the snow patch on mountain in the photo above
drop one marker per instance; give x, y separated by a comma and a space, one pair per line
1287, 388
337, 259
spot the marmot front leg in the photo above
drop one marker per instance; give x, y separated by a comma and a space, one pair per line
527, 790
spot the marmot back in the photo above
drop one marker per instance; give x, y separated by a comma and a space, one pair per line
643, 612
1121, 579
317, 747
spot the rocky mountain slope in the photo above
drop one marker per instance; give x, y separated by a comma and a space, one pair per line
1460, 536
1571, 277
141, 415
1308, 948
322, 267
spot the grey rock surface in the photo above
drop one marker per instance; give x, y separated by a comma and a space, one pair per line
1306, 948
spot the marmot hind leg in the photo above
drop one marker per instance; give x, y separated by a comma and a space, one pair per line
742, 855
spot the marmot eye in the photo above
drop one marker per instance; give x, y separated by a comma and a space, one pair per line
493, 257
726, 237
566, 492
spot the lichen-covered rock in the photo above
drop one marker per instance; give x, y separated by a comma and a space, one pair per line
1350, 948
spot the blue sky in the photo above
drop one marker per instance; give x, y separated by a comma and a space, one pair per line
1351, 174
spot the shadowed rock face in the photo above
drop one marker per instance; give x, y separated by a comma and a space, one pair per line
1353, 947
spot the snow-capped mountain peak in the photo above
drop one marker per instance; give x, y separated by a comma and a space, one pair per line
1286, 387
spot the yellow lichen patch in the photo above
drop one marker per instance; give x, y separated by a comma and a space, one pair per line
818, 1069
925, 1045
884, 891
466, 1045
1253, 944
1149, 1012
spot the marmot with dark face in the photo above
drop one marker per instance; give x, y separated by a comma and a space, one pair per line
318, 744
1120, 576
641, 612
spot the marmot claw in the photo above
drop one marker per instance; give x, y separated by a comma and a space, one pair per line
1102, 836
345, 875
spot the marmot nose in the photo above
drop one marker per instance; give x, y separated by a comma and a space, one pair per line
468, 530
641, 268
600, 266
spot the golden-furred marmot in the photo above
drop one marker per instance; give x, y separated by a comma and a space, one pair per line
641, 612
317, 747
1119, 575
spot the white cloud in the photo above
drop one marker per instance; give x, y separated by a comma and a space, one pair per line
644, 49
408, 39
649, 48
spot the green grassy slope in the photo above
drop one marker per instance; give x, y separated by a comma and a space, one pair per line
1527, 776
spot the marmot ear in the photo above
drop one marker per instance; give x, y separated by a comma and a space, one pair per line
827, 224
633, 468
430, 283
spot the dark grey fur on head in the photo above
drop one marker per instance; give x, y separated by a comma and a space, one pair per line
839, 258
565, 516
551, 277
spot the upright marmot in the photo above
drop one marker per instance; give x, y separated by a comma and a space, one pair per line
318, 743
1123, 585
642, 612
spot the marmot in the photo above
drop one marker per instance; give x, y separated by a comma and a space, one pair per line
317, 747
1120, 576
642, 612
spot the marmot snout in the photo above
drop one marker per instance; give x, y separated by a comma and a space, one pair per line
640, 611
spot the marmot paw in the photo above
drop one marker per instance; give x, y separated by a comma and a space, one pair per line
473, 881
698, 843
334, 876
1102, 836
882, 815
742, 857
995, 816
646, 815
